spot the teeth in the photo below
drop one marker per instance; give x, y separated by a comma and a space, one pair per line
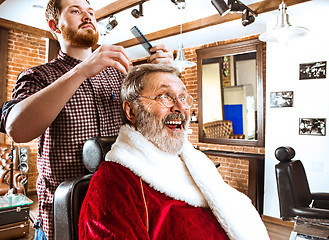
174, 122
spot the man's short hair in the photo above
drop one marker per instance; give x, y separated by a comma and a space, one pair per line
134, 83
54, 9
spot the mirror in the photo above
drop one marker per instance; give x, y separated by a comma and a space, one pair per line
231, 93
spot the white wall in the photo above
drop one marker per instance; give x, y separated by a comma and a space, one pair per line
212, 94
311, 100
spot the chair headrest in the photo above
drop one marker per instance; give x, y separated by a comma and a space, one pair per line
94, 151
284, 154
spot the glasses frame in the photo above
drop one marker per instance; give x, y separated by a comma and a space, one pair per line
175, 100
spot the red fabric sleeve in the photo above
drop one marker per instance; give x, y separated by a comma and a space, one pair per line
113, 207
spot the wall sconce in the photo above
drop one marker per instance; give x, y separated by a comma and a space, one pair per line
248, 15
283, 31
138, 13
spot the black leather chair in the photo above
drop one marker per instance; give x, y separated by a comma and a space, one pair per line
295, 198
70, 194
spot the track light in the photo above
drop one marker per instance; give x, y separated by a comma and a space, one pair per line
247, 18
180, 3
138, 13
112, 23
221, 6
248, 15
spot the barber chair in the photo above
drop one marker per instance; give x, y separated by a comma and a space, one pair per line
309, 211
70, 194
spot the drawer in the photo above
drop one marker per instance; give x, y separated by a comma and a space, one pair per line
14, 214
14, 230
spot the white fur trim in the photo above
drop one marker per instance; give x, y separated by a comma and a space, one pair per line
233, 210
164, 172
190, 177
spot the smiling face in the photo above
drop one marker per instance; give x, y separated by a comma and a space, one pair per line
164, 126
77, 23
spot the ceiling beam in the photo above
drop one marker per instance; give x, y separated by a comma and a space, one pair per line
120, 5
7, 24
259, 7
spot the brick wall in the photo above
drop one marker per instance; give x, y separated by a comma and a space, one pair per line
24, 51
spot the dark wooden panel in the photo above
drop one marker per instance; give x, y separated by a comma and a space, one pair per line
7, 24
53, 49
256, 174
3, 64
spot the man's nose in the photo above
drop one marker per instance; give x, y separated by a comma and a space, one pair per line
85, 16
179, 106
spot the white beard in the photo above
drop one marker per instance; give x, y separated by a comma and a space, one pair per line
154, 131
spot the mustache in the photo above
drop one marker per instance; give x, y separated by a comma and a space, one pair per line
87, 23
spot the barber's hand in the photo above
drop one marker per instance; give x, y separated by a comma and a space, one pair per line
162, 55
103, 57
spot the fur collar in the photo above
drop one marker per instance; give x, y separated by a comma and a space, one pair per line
190, 177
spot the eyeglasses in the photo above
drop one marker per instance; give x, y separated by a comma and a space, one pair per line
168, 101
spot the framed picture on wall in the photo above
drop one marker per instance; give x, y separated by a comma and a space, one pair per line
314, 70
281, 99
312, 126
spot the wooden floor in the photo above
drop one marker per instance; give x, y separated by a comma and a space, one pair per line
276, 231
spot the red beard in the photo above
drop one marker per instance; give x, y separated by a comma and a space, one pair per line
87, 38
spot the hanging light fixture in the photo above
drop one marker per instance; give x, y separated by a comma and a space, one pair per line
283, 32
180, 61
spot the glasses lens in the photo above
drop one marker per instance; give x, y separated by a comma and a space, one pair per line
189, 101
167, 100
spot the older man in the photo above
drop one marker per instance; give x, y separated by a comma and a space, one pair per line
154, 184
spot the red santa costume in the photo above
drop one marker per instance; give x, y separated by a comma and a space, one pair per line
141, 192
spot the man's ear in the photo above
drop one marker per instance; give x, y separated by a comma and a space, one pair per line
129, 111
53, 26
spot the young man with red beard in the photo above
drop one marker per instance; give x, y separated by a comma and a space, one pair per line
154, 184
68, 100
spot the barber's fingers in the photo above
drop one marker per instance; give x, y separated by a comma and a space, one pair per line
162, 55
114, 56
160, 47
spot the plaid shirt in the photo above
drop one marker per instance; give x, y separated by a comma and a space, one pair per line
93, 110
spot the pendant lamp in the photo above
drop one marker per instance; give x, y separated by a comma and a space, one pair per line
283, 32
180, 61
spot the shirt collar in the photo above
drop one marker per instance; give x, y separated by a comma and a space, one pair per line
67, 59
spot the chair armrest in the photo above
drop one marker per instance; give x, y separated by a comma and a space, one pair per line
320, 196
321, 200
307, 212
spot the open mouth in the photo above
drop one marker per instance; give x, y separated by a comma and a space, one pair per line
174, 125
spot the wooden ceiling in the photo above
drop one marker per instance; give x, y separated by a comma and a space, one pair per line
120, 5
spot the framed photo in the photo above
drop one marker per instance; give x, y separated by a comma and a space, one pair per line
314, 70
312, 126
281, 99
